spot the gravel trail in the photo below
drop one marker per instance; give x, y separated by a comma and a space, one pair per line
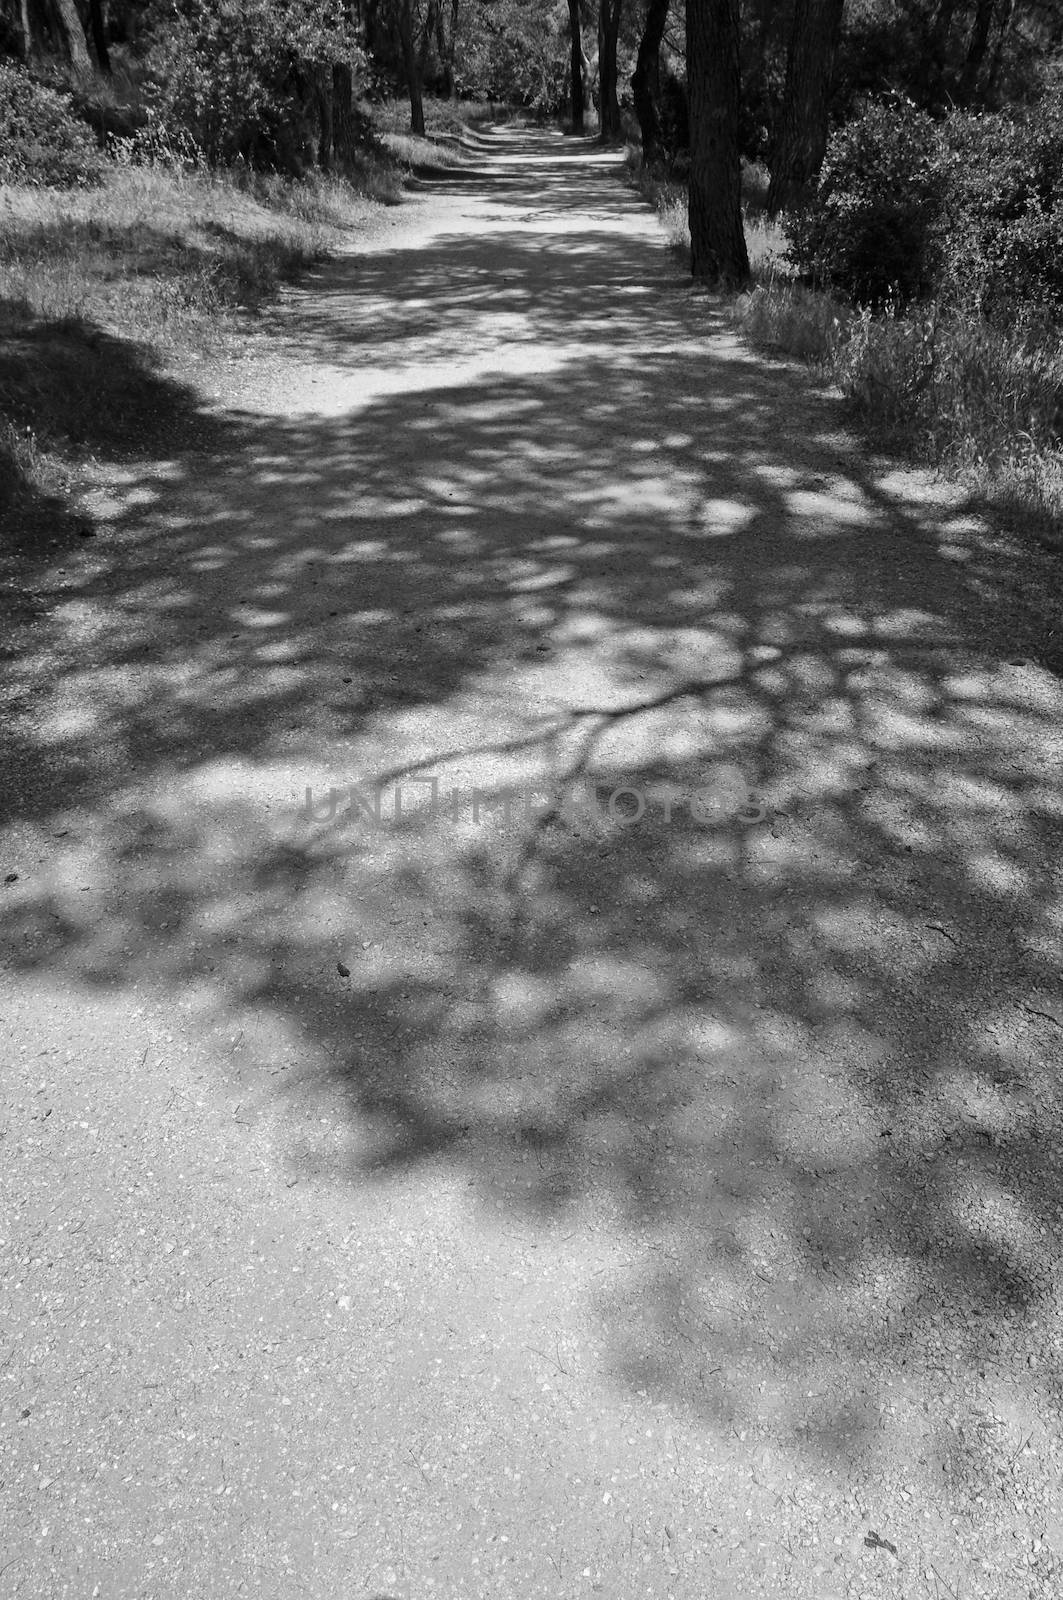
630, 1164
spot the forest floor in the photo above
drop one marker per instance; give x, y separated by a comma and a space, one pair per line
651, 1195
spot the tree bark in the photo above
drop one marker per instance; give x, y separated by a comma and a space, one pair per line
976, 49
576, 65
431, 18
409, 59
645, 77
326, 121
937, 51
25, 29
99, 36
801, 136
445, 48
72, 35
993, 79
717, 241
343, 134
608, 36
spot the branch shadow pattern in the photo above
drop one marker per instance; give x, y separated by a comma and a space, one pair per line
810, 1066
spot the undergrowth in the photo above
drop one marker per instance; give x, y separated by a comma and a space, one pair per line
765, 240
104, 288
980, 400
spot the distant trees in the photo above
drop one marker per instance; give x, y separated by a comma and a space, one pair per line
277, 83
49, 27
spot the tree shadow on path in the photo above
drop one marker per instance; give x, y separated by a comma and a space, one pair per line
561, 530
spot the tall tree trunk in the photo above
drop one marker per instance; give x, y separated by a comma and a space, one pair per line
25, 29
976, 49
409, 60
993, 78
326, 121
801, 135
72, 35
714, 78
343, 130
645, 78
431, 17
576, 65
938, 51
608, 35
445, 48
99, 36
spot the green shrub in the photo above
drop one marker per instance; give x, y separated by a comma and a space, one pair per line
968, 211
243, 78
1004, 219
513, 53
41, 141
871, 227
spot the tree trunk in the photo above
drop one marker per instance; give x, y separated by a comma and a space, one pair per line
576, 65
99, 36
343, 131
446, 49
801, 135
409, 59
645, 78
72, 35
326, 122
431, 18
938, 51
993, 79
717, 241
976, 49
25, 29
609, 103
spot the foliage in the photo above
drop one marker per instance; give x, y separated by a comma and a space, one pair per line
513, 50
41, 141
973, 396
240, 76
968, 210
1004, 220
674, 114
870, 227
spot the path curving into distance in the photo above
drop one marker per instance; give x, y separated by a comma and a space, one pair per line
653, 1197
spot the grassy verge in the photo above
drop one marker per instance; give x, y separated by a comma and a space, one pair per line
765, 239
982, 403
106, 293
101, 289
447, 122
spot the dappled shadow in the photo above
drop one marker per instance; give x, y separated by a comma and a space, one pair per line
802, 1046
73, 394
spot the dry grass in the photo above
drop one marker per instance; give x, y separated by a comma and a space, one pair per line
101, 290
447, 125
784, 317
424, 155
765, 239
981, 401
160, 254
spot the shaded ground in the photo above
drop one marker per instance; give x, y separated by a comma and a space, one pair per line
566, 1199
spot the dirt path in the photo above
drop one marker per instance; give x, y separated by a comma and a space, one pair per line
661, 1200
